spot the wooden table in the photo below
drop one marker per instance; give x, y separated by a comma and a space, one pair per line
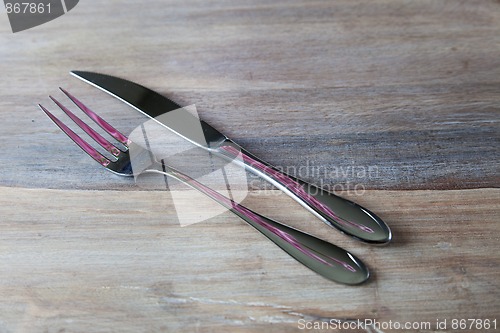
408, 90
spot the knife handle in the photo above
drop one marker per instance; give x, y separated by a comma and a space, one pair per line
342, 214
326, 259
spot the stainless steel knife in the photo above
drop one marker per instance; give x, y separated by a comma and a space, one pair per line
342, 214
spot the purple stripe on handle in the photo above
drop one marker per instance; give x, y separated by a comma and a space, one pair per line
101, 122
290, 239
89, 130
78, 140
294, 187
230, 204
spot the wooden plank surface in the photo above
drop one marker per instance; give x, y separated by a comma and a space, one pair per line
392, 84
395, 104
74, 261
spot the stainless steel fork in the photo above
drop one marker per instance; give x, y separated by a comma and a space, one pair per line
326, 259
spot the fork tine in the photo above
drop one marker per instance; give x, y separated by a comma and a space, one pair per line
101, 159
101, 122
89, 130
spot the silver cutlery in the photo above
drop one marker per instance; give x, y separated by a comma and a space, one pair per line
342, 214
326, 259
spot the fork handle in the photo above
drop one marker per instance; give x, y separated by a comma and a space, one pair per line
342, 214
324, 258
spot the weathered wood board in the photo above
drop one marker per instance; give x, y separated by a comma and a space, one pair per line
396, 104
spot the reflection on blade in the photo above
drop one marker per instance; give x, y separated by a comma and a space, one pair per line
154, 105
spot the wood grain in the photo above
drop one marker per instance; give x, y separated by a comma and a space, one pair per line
75, 262
411, 88
394, 104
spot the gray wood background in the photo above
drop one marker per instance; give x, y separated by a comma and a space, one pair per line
408, 90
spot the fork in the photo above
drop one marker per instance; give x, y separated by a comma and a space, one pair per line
326, 259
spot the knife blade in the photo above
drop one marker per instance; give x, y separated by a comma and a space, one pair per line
342, 214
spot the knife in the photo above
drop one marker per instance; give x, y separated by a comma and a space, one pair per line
342, 214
